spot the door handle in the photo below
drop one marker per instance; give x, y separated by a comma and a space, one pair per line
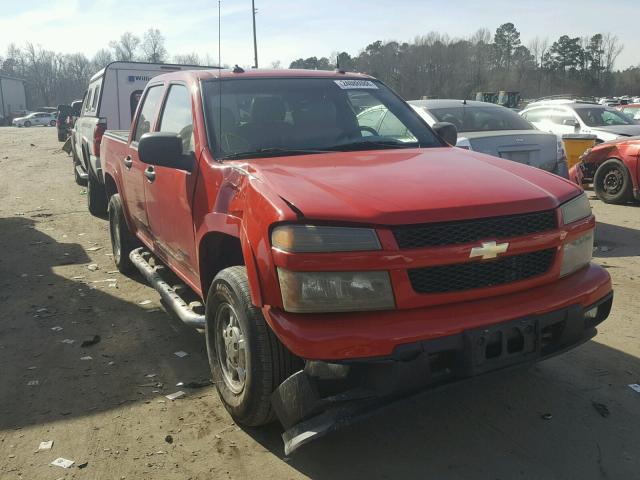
128, 162
150, 173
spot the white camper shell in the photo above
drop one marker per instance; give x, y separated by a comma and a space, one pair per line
110, 102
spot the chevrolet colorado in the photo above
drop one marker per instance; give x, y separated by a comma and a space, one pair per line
334, 267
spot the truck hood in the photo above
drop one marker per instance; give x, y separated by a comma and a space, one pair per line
390, 187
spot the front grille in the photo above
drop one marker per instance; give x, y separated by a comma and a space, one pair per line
469, 231
467, 276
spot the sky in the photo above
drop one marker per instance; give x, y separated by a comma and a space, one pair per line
290, 29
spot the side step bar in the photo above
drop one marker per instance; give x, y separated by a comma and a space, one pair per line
81, 173
168, 294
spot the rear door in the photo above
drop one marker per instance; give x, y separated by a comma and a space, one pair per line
133, 179
169, 196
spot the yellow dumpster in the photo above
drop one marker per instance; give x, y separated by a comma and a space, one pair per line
575, 144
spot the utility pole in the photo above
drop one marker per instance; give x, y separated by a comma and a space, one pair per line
255, 39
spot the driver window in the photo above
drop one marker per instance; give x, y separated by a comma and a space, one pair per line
151, 100
176, 117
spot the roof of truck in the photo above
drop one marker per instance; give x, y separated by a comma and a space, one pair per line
170, 67
263, 73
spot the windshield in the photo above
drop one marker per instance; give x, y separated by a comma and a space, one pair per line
271, 116
601, 117
481, 119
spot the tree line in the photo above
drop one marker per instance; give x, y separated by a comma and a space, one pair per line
54, 78
435, 65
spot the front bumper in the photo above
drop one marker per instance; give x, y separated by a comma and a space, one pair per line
360, 335
326, 396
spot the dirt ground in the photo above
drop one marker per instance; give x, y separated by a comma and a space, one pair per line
111, 410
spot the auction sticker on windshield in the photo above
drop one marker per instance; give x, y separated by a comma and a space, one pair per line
349, 84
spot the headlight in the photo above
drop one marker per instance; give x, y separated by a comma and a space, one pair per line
310, 238
576, 209
577, 254
307, 292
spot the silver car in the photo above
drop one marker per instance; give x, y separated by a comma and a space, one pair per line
498, 131
38, 118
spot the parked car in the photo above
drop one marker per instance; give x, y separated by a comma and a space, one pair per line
37, 118
497, 131
336, 266
66, 117
577, 117
111, 100
632, 111
614, 169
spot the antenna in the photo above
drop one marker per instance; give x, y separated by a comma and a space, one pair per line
220, 76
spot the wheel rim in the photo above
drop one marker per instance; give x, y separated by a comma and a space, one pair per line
231, 348
115, 239
613, 181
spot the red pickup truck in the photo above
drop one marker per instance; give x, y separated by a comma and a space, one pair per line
335, 267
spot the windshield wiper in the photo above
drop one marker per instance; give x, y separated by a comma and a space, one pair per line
272, 152
371, 145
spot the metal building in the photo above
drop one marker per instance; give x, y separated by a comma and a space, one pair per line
12, 97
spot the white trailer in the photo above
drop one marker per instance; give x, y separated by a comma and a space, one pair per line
12, 97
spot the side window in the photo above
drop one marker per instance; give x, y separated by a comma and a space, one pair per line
134, 99
87, 103
371, 118
176, 116
96, 96
392, 127
151, 100
562, 117
537, 115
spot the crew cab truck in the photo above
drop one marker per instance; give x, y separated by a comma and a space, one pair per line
332, 268
109, 102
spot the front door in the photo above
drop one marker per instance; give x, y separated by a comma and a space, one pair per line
133, 179
169, 191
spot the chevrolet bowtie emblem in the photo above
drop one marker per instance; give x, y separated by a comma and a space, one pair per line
488, 250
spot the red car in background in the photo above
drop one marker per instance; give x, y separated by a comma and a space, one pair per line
614, 168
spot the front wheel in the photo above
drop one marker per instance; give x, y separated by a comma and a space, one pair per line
27, 123
52, 123
612, 182
247, 360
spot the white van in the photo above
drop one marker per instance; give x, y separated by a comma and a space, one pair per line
110, 102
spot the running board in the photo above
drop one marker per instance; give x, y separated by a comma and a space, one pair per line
166, 291
81, 173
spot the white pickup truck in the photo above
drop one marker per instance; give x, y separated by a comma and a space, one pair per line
110, 102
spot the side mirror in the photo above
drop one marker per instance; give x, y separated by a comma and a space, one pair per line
447, 131
164, 150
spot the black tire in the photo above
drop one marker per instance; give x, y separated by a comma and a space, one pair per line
62, 137
122, 240
267, 361
612, 182
27, 123
96, 197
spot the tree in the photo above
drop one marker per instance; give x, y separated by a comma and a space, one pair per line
187, 59
594, 53
612, 49
312, 63
101, 59
566, 54
126, 48
153, 46
505, 41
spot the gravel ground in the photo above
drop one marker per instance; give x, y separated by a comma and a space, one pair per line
111, 410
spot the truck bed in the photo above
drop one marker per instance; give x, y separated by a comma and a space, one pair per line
122, 135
